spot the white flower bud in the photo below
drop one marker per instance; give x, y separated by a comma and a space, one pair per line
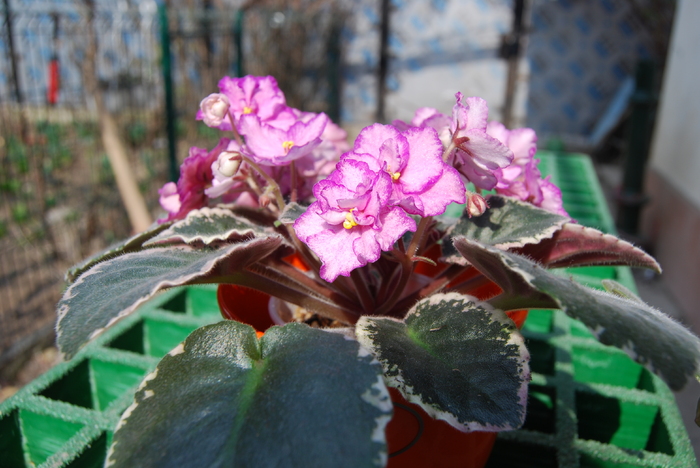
476, 204
228, 163
214, 109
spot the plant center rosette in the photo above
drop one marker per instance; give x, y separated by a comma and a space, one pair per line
411, 277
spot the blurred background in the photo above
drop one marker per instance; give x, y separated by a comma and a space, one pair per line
98, 99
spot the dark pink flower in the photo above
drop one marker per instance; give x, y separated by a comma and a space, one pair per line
422, 183
195, 177
351, 222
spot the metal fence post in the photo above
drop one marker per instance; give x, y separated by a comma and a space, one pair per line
640, 126
168, 87
238, 39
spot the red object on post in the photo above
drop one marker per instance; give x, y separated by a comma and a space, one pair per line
53, 82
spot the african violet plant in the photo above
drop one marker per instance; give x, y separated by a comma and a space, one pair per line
414, 293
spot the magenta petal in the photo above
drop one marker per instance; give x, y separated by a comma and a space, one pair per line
332, 244
371, 139
365, 246
477, 113
488, 150
424, 165
302, 133
372, 162
552, 200
448, 188
395, 223
498, 131
169, 198
523, 142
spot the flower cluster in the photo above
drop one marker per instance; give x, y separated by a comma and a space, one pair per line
271, 140
365, 198
363, 207
490, 156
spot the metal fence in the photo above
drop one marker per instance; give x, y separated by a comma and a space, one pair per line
59, 201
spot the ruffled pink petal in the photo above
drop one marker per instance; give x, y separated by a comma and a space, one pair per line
371, 139
523, 142
395, 223
169, 198
424, 165
552, 200
448, 188
487, 150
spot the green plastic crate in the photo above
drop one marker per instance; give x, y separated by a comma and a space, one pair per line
589, 405
66, 417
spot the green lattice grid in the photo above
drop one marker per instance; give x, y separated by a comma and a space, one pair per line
590, 405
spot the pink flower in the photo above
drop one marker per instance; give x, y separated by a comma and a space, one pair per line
422, 183
321, 161
169, 198
351, 222
477, 155
256, 95
195, 177
273, 146
522, 179
214, 109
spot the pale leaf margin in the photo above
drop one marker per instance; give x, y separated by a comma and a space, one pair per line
394, 375
209, 225
648, 336
534, 225
86, 309
132, 244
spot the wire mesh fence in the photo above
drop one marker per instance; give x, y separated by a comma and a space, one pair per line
64, 65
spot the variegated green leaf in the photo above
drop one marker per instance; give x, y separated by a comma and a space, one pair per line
131, 244
462, 361
298, 397
210, 225
507, 223
113, 289
650, 337
291, 212
576, 245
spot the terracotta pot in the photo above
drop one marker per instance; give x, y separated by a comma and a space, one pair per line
484, 292
414, 439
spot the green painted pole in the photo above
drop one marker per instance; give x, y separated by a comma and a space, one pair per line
169, 95
640, 126
238, 39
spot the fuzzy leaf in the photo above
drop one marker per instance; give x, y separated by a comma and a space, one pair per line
131, 244
576, 245
291, 212
115, 288
298, 397
462, 361
209, 225
648, 336
507, 223
613, 287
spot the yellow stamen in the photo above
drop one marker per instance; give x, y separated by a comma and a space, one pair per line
394, 175
247, 110
350, 221
287, 145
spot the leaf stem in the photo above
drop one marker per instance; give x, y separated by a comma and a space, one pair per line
363, 291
